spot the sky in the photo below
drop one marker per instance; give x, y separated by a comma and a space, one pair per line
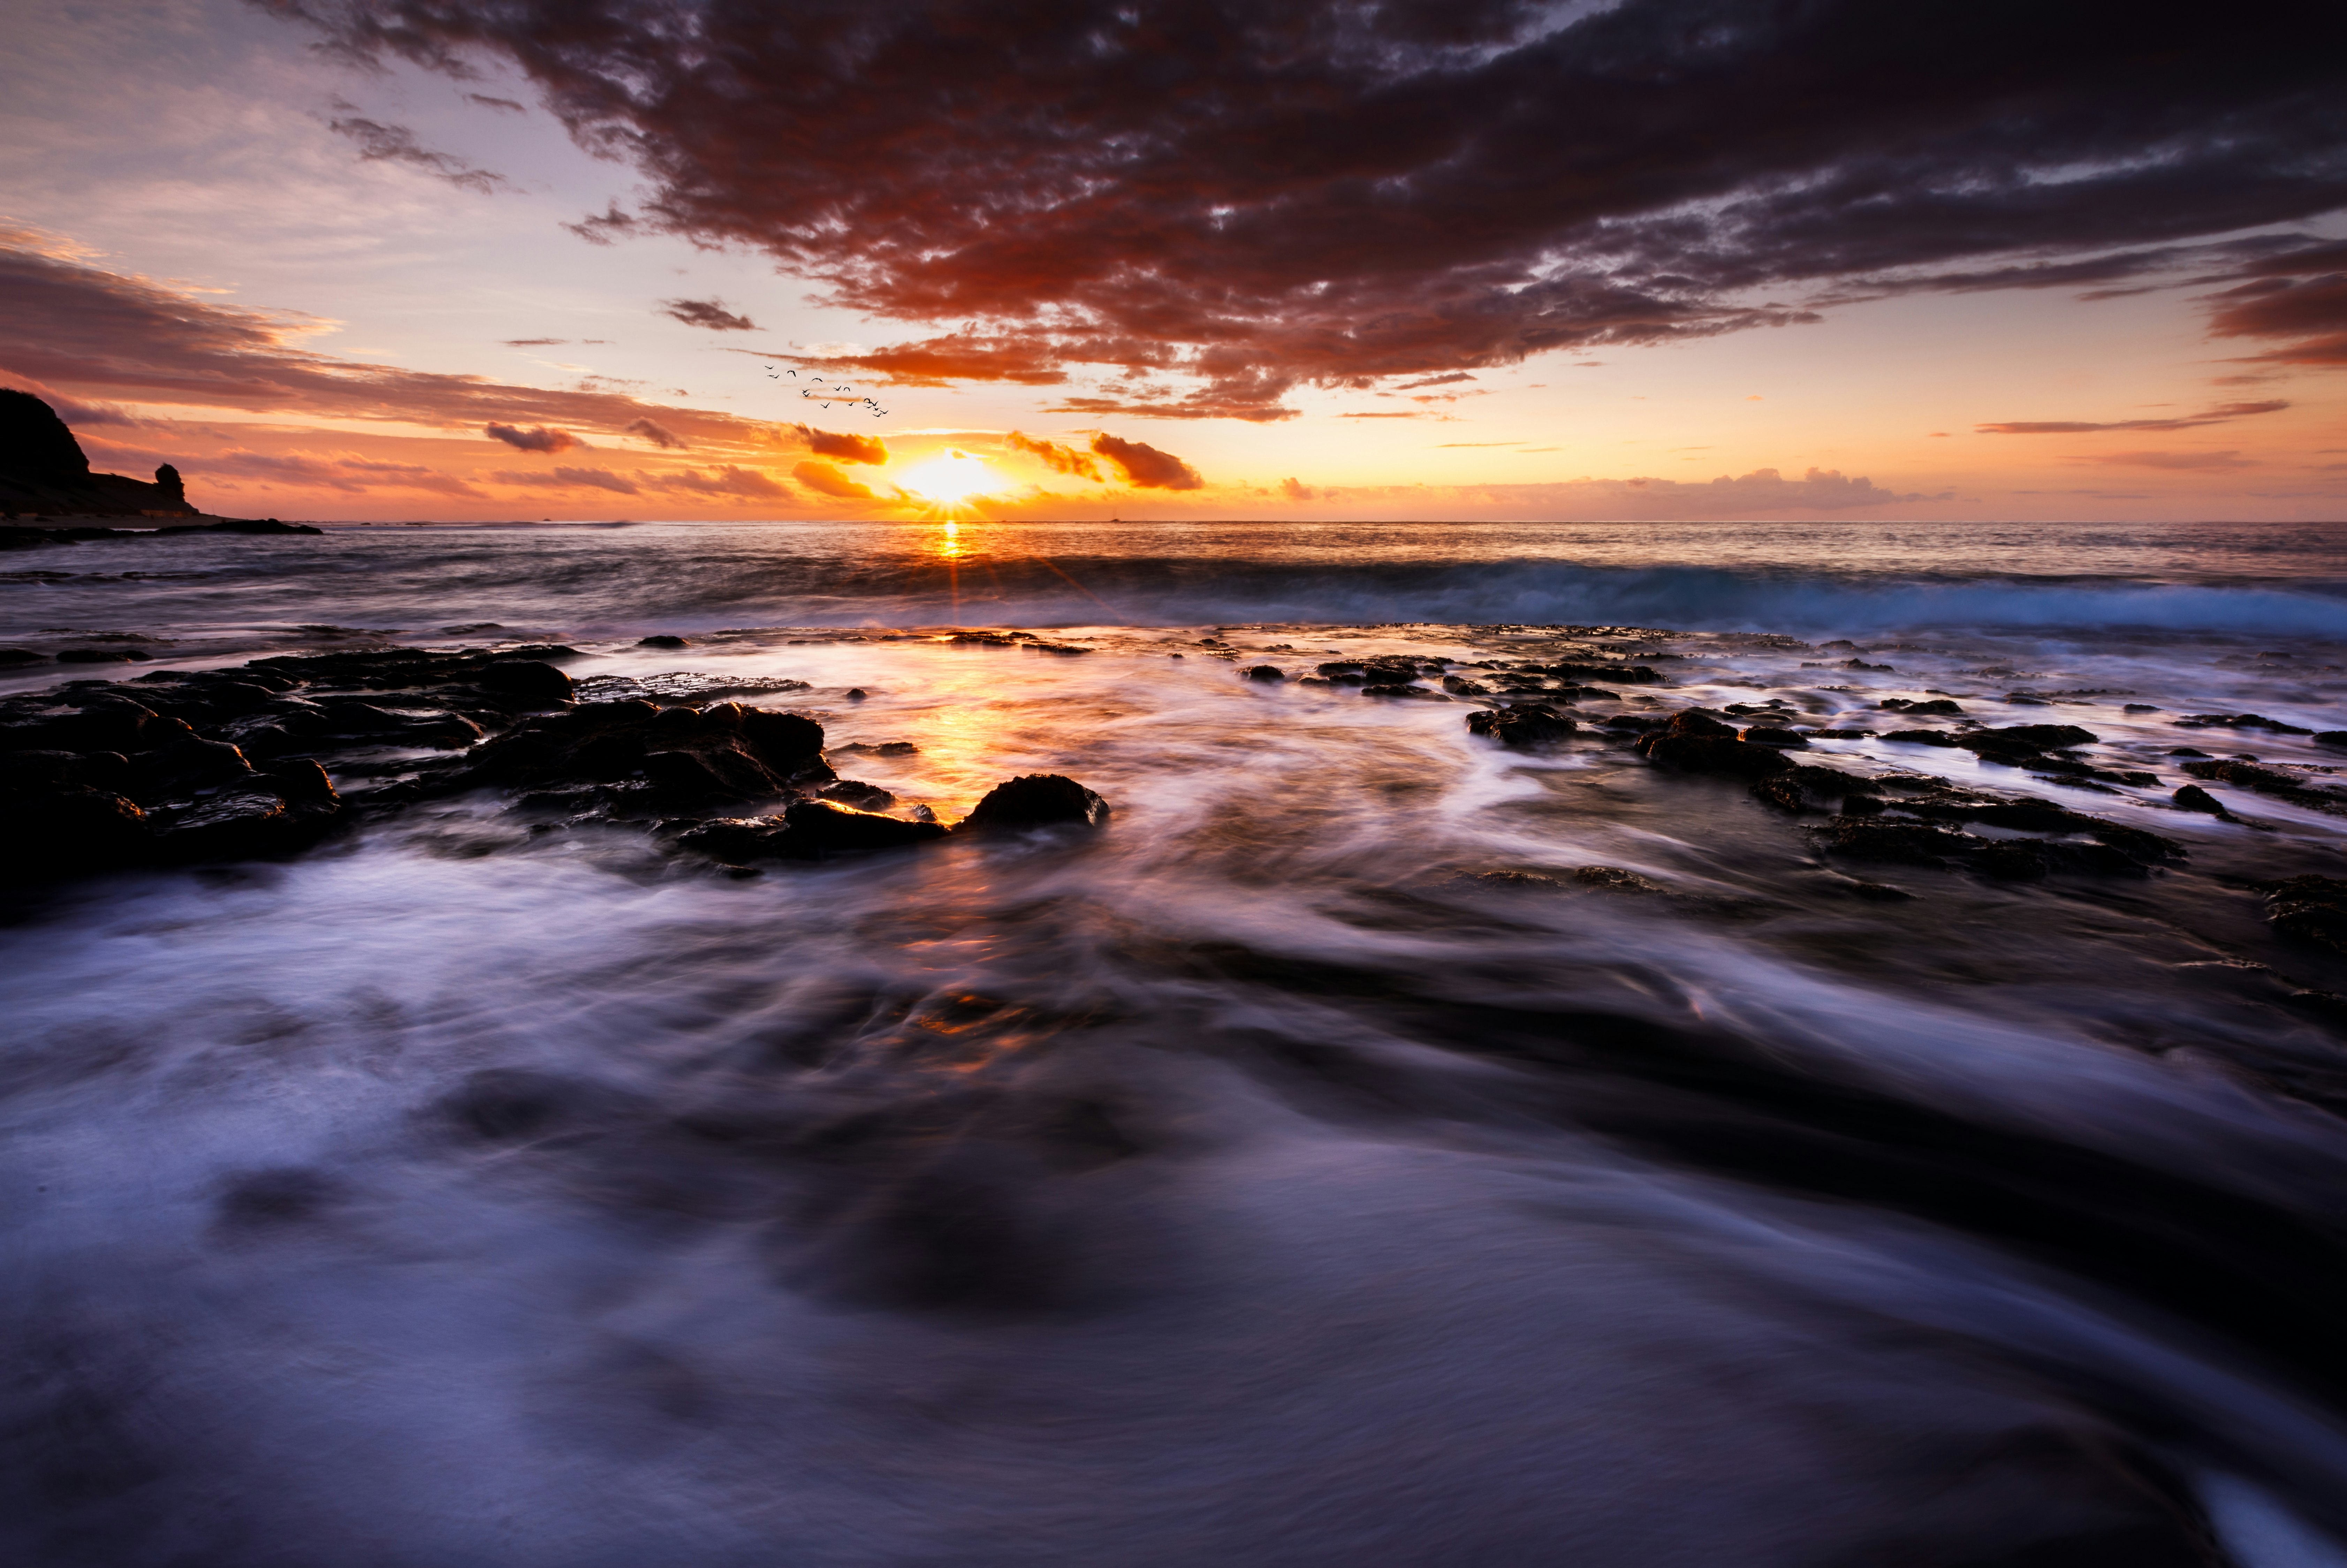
476, 260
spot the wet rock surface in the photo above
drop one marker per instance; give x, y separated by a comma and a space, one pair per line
188, 767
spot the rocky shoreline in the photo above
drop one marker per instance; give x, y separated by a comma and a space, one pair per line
188, 767
267, 759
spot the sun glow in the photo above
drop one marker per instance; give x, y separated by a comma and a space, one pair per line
947, 479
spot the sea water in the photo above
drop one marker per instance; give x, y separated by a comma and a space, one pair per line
1308, 1168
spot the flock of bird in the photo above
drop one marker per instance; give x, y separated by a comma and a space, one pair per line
811, 388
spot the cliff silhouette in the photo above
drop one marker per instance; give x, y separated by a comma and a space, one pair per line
44, 472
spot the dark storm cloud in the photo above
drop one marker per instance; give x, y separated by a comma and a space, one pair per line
539, 438
844, 445
709, 313
1266, 193
1145, 467
2217, 415
381, 143
105, 335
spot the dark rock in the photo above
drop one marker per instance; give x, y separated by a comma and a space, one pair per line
2188, 752
2330, 737
239, 825
1772, 736
819, 829
858, 693
1266, 673
1923, 737
100, 656
1459, 686
1698, 721
185, 767
77, 833
1037, 800
2030, 737
663, 641
1800, 787
2192, 797
42, 469
1934, 705
1523, 727
2268, 781
528, 679
2238, 722
1613, 674
1615, 879
1724, 756
301, 782
16, 658
856, 793
1898, 843
1862, 664
2311, 908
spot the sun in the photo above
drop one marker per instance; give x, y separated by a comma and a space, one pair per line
947, 479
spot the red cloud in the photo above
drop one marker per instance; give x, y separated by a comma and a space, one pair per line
1060, 459
1314, 194
844, 445
1145, 467
537, 439
829, 481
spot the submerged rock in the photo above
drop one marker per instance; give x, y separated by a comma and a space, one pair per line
2311, 908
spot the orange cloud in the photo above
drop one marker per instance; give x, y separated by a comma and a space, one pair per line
824, 479
1145, 467
1058, 458
846, 446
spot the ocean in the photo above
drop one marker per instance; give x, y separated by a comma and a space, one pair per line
1378, 1144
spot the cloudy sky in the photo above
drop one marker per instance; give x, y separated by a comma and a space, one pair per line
485, 259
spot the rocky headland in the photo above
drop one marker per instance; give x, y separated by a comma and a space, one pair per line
48, 493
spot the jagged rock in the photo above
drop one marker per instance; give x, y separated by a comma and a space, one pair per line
663, 641
1037, 800
1772, 736
856, 793
1269, 673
